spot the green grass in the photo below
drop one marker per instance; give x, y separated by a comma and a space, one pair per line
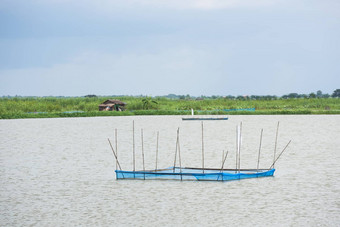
48, 107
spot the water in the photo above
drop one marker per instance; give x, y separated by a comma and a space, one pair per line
60, 172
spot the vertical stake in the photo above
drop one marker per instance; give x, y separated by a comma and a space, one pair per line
133, 148
239, 148
116, 142
258, 157
179, 155
176, 150
202, 147
157, 149
277, 132
236, 156
143, 152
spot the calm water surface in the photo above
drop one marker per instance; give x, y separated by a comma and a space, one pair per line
60, 172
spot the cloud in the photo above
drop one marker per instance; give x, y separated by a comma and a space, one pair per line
164, 4
212, 4
154, 47
162, 72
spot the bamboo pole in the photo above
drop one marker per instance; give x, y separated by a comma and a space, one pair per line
225, 158
157, 149
143, 152
202, 148
239, 149
115, 156
236, 156
258, 157
277, 132
226, 155
272, 166
133, 145
116, 143
176, 150
179, 155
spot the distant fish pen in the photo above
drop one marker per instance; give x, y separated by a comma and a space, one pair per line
244, 109
227, 110
177, 172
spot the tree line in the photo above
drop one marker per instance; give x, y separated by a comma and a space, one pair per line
318, 94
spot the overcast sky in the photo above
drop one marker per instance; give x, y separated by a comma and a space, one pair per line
157, 47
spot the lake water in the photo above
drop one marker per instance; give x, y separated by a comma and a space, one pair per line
60, 172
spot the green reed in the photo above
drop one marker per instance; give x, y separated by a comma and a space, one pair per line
46, 107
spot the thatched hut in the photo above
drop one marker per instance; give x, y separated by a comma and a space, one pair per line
112, 105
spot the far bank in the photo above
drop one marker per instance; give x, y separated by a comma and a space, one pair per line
51, 107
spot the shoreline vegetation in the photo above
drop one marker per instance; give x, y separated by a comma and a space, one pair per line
52, 107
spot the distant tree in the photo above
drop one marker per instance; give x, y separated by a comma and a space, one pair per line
319, 94
293, 95
172, 96
90, 96
336, 93
230, 97
312, 95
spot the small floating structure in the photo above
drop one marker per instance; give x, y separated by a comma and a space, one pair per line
191, 173
204, 118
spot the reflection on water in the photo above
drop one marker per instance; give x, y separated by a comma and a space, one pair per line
61, 172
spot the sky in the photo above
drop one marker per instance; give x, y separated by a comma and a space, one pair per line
160, 47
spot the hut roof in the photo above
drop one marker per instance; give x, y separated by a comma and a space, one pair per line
113, 101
